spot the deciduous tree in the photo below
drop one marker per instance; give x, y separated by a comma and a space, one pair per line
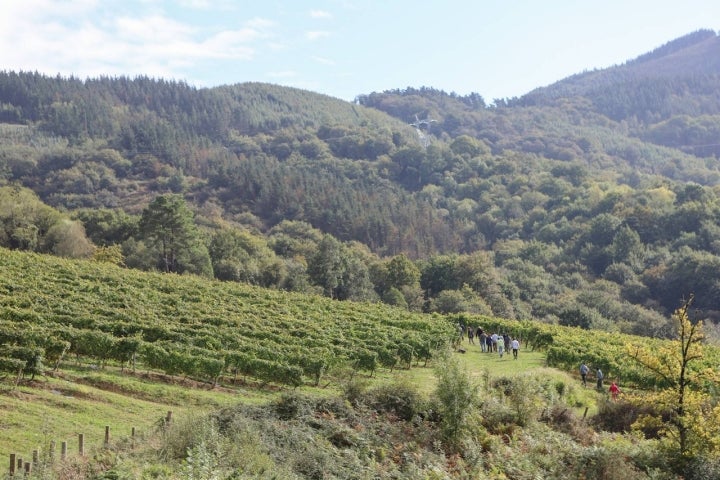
685, 414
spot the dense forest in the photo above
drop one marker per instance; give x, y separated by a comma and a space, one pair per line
592, 202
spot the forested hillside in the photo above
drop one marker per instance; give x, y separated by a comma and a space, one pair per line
592, 202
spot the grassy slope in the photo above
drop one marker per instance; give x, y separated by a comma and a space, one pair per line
38, 290
482, 367
83, 399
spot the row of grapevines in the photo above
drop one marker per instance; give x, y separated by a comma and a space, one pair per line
199, 328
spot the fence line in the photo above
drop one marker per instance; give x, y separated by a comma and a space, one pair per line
18, 466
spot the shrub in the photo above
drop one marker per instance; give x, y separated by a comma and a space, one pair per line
293, 405
354, 389
156, 471
181, 436
619, 416
400, 399
563, 419
457, 399
703, 469
497, 416
598, 463
527, 395
202, 463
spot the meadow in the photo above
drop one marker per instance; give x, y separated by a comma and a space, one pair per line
89, 346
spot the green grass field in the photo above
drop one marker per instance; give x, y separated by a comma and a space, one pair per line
483, 367
479, 364
85, 400
82, 400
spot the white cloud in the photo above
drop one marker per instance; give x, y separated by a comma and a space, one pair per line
86, 39
316, 35
320, 14
152, 30
260, 23
324, 61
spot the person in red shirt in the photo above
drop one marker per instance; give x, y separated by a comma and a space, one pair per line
614, 390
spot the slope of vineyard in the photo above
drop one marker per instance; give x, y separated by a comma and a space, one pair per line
183, 325
58, 313
52, 309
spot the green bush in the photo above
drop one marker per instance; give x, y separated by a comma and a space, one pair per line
155, 471
703, 469
181, 436
457, 398
619, 416
354, 389
293, 405
399, 398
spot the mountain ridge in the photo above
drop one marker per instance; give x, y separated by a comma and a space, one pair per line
690, 63
550, 209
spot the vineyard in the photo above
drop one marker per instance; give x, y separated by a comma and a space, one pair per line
567, 347
94, 323
54, 310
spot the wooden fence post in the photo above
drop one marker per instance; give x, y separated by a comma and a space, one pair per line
17, 464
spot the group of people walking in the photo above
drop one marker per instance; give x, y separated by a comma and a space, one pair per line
599, 377
490, 343
502, 343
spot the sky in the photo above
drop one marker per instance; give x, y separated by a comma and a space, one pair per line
343, 48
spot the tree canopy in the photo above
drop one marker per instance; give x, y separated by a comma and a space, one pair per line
588, 202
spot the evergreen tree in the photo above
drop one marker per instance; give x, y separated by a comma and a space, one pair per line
167, 225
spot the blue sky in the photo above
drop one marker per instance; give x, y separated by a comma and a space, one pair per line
497, 48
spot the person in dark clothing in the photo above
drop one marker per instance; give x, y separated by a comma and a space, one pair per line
482, 338
583, 374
